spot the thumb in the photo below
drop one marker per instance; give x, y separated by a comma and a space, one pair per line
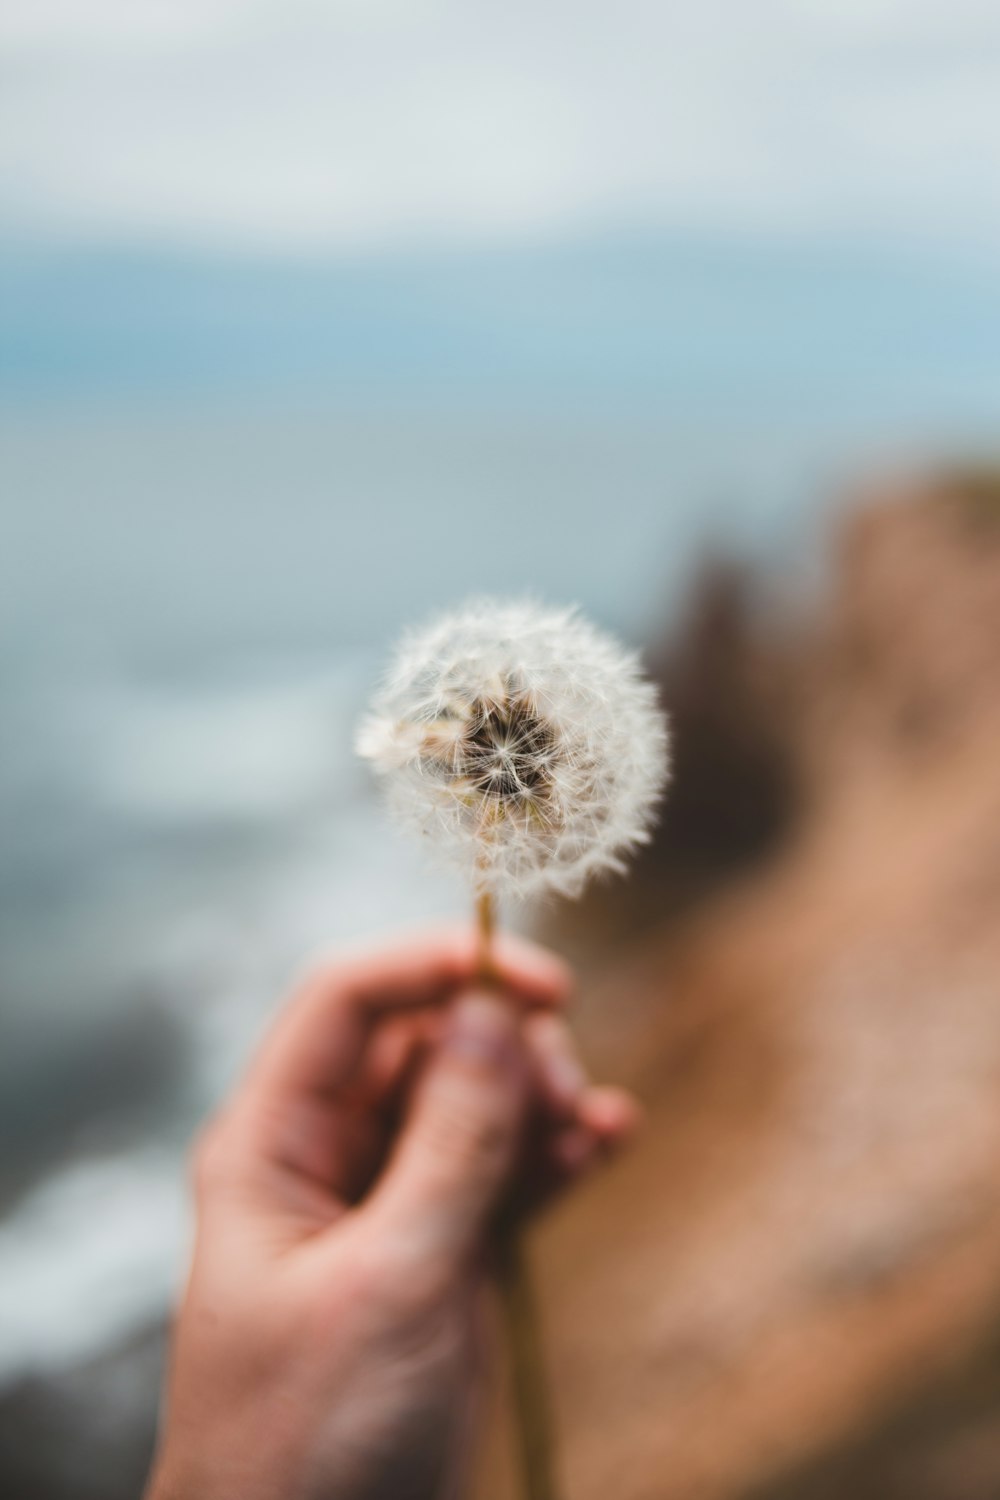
459, 1144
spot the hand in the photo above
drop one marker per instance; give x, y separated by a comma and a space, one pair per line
330, 1344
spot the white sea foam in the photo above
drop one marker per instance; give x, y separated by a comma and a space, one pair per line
90, 1256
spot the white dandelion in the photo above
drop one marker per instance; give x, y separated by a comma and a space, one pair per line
523, 743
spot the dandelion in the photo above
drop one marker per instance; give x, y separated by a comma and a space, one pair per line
523, 743
530, 751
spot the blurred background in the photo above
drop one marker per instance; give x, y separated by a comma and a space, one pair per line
316, 317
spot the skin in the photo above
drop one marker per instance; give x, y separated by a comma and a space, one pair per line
331, 1343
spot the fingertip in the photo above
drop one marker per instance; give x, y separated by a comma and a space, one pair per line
534, 974
613, 1114
537, 974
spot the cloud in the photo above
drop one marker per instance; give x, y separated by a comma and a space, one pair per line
295, 124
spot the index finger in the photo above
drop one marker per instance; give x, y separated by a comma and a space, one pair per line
316, 1043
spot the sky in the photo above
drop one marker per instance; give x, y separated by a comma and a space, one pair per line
323, 126
430, 262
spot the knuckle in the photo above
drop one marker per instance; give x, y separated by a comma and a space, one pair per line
406, 1280
468, 1140
319, 977
210, 1154
321, 974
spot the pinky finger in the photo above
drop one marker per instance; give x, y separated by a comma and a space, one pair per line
612, 1115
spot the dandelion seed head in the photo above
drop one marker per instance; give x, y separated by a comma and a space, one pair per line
524, 743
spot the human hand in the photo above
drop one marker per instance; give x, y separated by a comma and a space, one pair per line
330, 1344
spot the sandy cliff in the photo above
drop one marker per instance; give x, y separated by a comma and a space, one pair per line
790, 1287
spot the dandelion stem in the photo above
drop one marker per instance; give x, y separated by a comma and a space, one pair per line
531, 1414
527, 1373
485, 927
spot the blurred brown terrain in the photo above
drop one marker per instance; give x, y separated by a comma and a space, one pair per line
789, 1288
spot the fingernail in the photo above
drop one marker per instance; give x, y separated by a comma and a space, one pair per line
481, 1028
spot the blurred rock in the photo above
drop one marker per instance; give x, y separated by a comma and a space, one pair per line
729, 678
790, 1288
87, 1433
65, 1089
